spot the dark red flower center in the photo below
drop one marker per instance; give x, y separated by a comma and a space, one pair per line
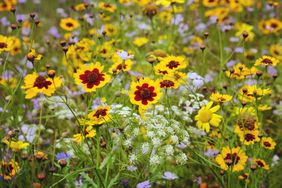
260, 163
274, 25
267, 61
41, 82
69, 24
166, 84
249, 137
100, 112
92, 78
231, 159
266, 144
121, 67
145, 93
173, 64
8, 168
3, 45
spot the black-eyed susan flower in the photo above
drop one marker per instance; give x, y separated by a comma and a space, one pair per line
268, 143
88, 132
249, 93
267, 61
120, 65
168, 82
206, 117
264, 107
243, 28
248, 137
211, 3
244, 177
34, 84
220, 98
5, 43
220, 13
107, 7
240, 71
110, 30
9, 169
270, 26
144, 93
91, 77
233, 159
69, 24
173, 63
261, 163
16, 46
276, 51
99, 115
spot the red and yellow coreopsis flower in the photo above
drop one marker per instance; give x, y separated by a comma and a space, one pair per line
144, 92
69, 24
268, 143
8, 169
34, 84
99, 115
91, 77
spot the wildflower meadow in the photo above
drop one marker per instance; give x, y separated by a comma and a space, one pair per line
140, 93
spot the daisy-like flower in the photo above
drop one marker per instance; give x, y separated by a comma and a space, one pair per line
270, 26
173, 63
247, 119
140, 41
168, 82
16, 146
5, 44
211, 3
100, 115
34, 84
240, 71
89, 132
267, 61
261, 163
268, 143
232, 158
167, 3
8, 169
249, 93
69, 24
144, 92
120, 65
249, 137
206, 116
33, 55
107, 7
276, 51
220, 98
91, 77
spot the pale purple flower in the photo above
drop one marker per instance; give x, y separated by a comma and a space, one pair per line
169, 176
271, 70
231, 63
201, 27
211, 152
131, 168
63, 155
144, 184
239, 50
54, 32
4, 21
20, 17
234, 39
177, 20
124, 55
196, 79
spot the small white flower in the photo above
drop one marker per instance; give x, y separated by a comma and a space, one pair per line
169, 150
181, 158
132, 158
174, 139
156, 142
145, 148
155, 160
127, 143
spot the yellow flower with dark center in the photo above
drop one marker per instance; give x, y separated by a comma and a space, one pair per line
9, 169
248, 137
16, 146
91, 77
240, 71
107, 7
244, 28
110, 30
172, 63
34, 84
268, 143
69, 24
81, 51
220, 13
233, 159
247, 119
80, 7
261, 163
100, 115
206, 116
167, 3
264, 107
33, 55
5, 44
120, 65
244, 177
249, 93
88, 132
270, 26
266, 61
144, 92
220, 98
16, 46
276, 51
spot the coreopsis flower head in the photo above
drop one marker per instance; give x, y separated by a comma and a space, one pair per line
240, 71
171, 63
270, 26
69, 24
100, 115
80, 7
88, 132
91, 77
247, 119
249, 93
33, 55
167, 3
35, 84
120, 65
243, 28
15, 46
16, 146
220, 98
266, 61
248, 137
144, 92
220, 13
110, 30
5, 44
168, 82
211, 3
9, 169
107, 7
276, 51
268, 143
261, 163
206, 116
233, 159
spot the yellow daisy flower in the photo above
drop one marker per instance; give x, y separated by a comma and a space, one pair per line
8, 169
34, 84
248, 137
144, 92
233, 159
249, 93
69, 24
5, 44
89, 132
16, 146
206, 116
140, 41
240, 71
210, 3
268, 143
261, 163
266, 61
173, 63
107, 7
276, 51
220, 98
91, 77
100, 115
